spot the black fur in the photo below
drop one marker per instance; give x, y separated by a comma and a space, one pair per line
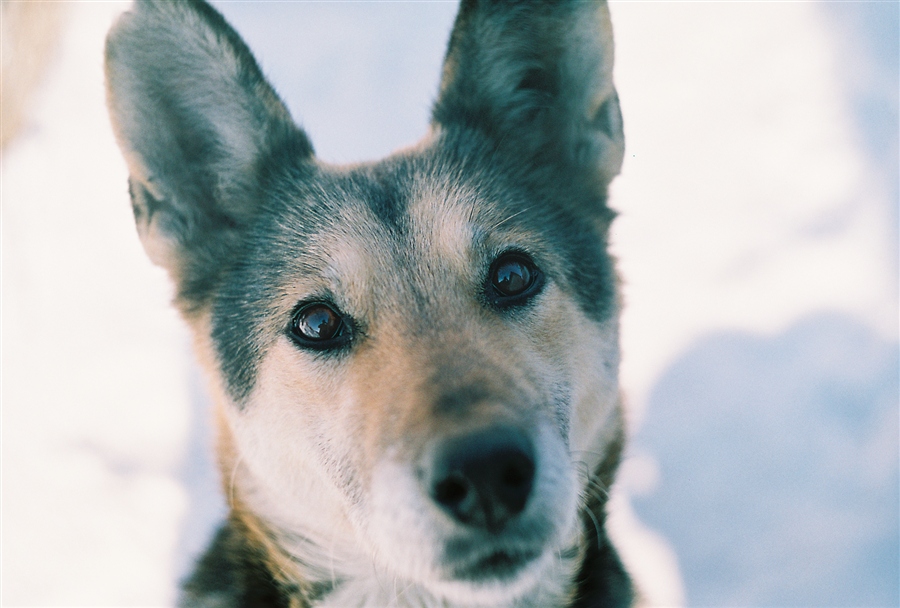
233, 574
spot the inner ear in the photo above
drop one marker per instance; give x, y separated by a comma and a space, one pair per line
608, 119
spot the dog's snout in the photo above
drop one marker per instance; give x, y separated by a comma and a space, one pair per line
483, 479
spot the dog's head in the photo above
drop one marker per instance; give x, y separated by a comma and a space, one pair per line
416, 358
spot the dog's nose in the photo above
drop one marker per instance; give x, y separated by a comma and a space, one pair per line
484, 479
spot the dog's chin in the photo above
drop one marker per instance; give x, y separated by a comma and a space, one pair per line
497, 565
493, 579
506, 570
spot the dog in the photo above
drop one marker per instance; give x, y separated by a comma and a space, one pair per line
414, 362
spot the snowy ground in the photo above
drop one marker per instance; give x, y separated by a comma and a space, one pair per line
758, 247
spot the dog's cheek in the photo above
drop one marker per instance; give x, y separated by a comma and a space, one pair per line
385, 407
295, 433
402, 527
596, 401
580, 357
553, 331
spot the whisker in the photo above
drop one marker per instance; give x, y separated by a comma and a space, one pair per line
231, 481
403, 591
598, 494
595, 486
378, 574
596, 526
591, 452
517, 213
583, 470
592, 485
331, 550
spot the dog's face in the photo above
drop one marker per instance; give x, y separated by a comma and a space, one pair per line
417, 358
433, 345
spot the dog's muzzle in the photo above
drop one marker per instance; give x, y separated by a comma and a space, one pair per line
484, 481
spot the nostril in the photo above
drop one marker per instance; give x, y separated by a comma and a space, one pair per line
513, 483
515, 475
451, 491
518, 470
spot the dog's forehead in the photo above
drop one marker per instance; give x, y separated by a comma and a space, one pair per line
363, 251
443, 222
398, 222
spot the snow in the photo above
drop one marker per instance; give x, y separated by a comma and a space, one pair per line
758, 247
95, 415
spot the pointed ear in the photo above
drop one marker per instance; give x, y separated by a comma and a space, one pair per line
196, 121
535, 76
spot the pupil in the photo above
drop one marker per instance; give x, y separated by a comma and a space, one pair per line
512, 278
319, 323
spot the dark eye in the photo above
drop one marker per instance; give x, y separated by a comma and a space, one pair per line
513, 279
318, 325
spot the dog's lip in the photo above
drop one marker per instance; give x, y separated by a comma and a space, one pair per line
498, 564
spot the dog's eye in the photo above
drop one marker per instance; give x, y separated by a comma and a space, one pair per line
513, 279
318, 325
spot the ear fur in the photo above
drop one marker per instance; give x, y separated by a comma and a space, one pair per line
535, 76
195, 119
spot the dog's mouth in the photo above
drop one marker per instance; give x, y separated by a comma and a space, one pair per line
497, 565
